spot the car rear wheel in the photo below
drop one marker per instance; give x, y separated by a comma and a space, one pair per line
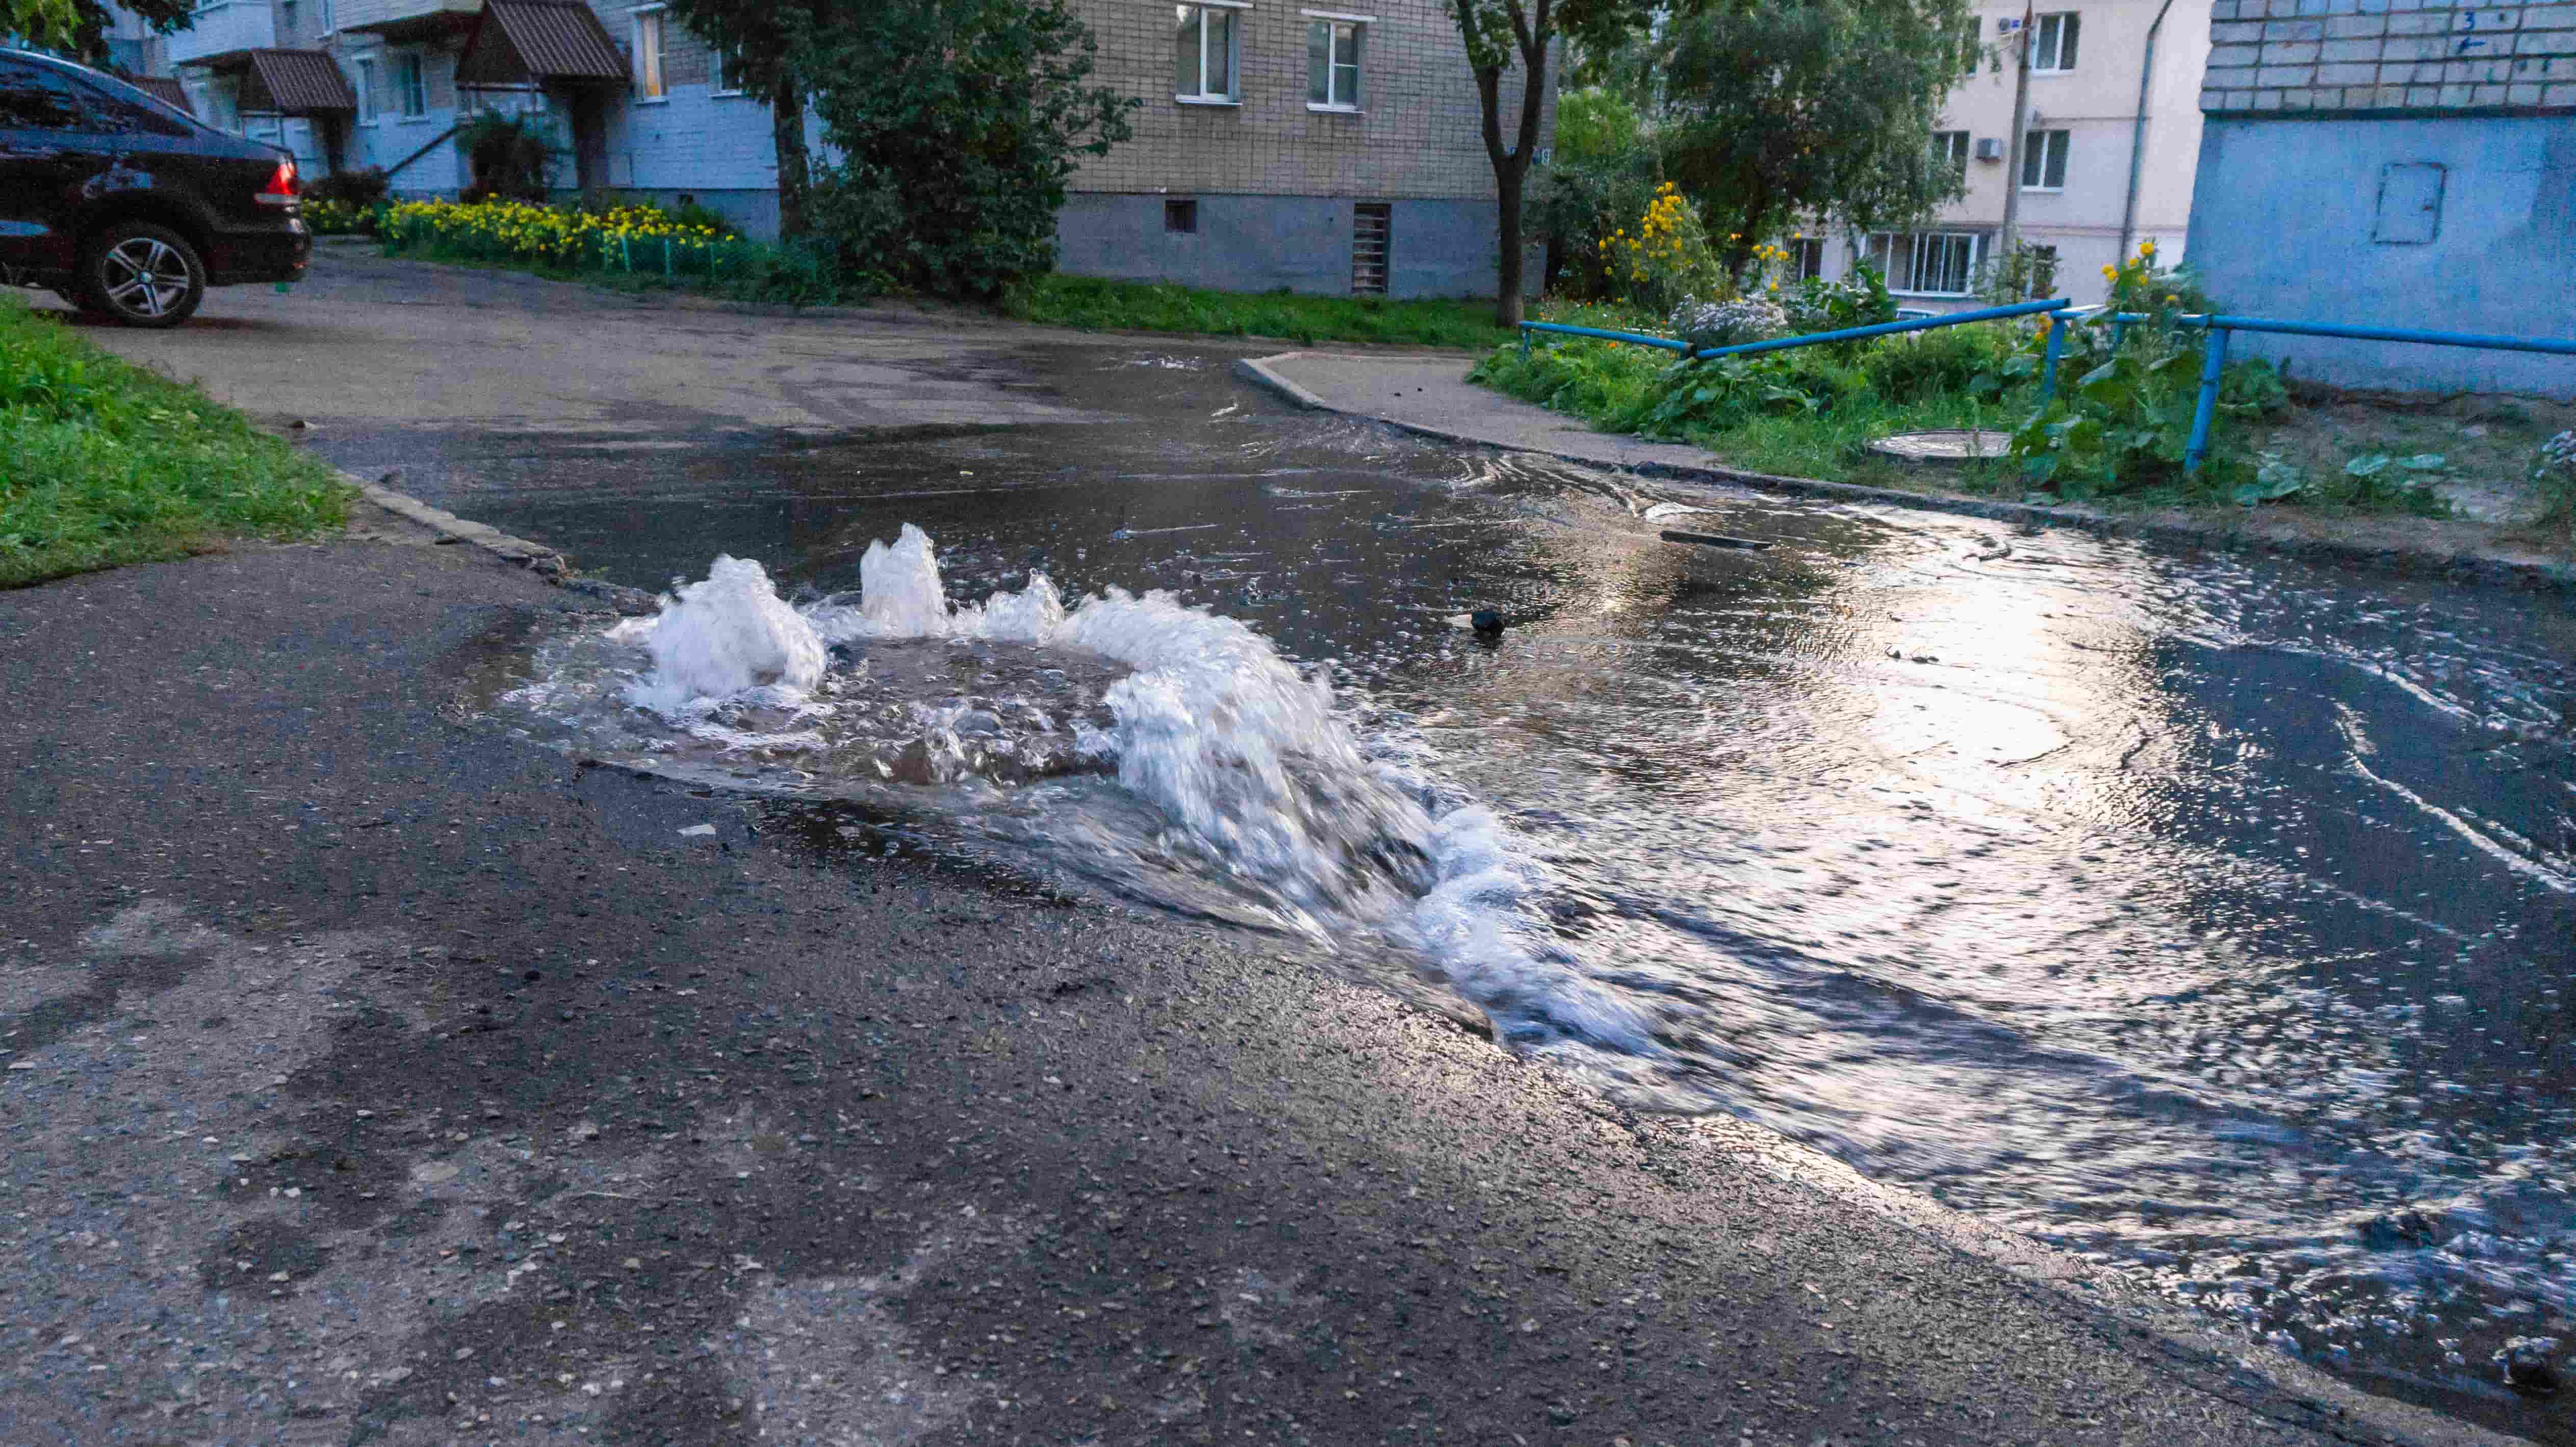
142, 275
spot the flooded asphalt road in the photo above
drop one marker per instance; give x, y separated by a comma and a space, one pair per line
2205, 915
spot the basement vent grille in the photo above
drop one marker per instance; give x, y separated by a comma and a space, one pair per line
1370, 227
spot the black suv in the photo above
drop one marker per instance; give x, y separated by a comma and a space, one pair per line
128, 208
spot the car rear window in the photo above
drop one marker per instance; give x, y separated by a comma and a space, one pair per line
34, 99
118, 107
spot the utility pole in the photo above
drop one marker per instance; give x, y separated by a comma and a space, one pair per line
2020, 128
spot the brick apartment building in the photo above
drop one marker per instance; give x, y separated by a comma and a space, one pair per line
2402, 163
1322, 150
2110, 145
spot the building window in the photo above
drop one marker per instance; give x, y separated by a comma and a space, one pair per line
2043, 161
724, 71
2042, 271
285, 19
2052, 45
1808, 252
1203, 54
1181, 218
368, 93
409, 91
646, 52
1951, 149
1930, 263
1333, 61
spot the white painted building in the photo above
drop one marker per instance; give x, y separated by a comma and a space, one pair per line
2092, 176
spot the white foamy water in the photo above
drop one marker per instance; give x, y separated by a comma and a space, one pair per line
1234, 768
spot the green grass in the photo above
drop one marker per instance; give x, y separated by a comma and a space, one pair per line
1094, 304
103, 463
1615, 387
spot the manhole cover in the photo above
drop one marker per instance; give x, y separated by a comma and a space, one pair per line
1953, 445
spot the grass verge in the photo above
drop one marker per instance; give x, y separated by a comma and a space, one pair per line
103, 463
1095, 304
1815, 412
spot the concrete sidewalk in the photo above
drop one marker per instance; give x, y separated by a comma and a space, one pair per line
1431, 396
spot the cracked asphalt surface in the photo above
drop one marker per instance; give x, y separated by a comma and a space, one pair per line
373, 1076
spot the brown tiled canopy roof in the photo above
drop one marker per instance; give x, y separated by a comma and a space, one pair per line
294, 83
165, 89
519, 42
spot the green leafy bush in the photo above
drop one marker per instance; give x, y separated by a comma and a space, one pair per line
1911, 366
508, 156
2126, 424
362, 189
2554, 472
1818, 305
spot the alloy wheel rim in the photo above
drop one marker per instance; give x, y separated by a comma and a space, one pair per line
146, 276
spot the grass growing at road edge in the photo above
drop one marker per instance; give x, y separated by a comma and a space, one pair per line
103, 463
1096, 304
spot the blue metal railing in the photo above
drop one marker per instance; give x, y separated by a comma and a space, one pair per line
2219, 325
2048, 373
2213, 364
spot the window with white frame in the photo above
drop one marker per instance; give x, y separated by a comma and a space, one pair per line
724, 71
1809, 254
2043, 161
1204, 50
645, 55
411, 92
2052, 43
1928, 263
1950, 148
1333, 60
370, 92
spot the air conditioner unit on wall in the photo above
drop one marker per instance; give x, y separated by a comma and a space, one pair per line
1990, 149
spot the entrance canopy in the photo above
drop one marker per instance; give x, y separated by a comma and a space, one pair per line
530, 42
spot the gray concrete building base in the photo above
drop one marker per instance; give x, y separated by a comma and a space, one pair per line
1440, 247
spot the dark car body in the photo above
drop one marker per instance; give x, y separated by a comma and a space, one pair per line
81, 152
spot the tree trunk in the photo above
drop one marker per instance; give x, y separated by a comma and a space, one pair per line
1508, 311
787, 134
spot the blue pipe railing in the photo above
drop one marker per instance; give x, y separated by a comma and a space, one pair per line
2212, 368
2205, 409
2048, 375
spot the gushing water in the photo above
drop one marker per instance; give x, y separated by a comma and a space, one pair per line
1232, 767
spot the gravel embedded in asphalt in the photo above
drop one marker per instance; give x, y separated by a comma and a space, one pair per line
376, 1077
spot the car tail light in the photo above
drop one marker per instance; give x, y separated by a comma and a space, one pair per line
282, 186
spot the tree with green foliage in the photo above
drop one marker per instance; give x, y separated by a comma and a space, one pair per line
754, 37
954, 126
1768, 115
1601, 177
78, 28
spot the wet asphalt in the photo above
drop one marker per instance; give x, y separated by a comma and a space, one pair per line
373, 1076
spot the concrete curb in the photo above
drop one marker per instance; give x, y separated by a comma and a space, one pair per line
2463, 567
537, 558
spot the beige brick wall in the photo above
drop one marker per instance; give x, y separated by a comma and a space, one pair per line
1419, 133
2389, 56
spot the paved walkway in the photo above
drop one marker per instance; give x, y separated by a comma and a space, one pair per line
1431, 395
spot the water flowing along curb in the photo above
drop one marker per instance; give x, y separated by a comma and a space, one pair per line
2428, 558
535, 557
